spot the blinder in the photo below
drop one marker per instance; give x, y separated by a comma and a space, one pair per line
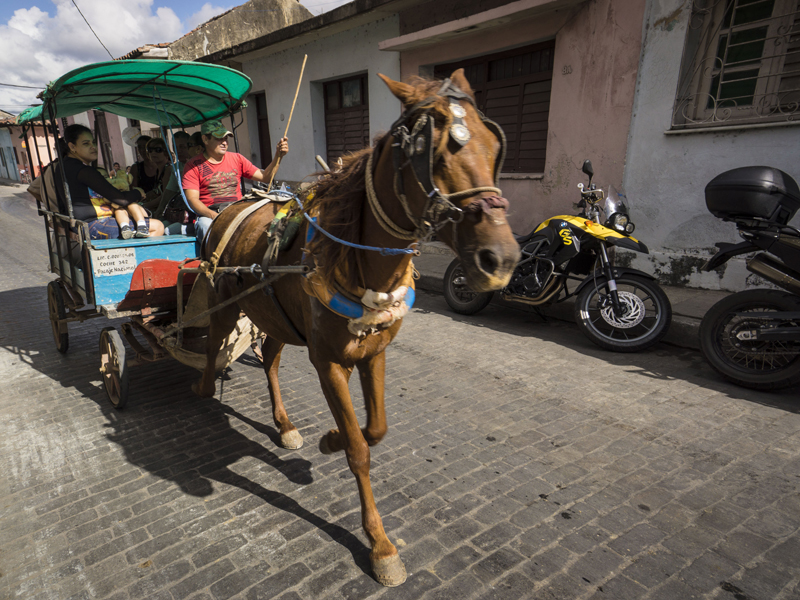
415, 147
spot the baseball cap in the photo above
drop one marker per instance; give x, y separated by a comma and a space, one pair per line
215, 128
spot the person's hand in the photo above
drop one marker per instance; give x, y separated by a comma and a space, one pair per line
282, 149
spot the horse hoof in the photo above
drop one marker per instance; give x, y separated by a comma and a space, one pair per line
389, 571
197, 388
292, 440
323, 445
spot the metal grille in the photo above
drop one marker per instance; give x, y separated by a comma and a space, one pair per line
741, 64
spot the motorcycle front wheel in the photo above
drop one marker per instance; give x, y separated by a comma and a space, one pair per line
756, 364
645, 320
458, 295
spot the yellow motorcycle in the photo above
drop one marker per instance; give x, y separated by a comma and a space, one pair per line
617, 308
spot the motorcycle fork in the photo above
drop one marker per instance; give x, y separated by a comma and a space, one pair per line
612, 283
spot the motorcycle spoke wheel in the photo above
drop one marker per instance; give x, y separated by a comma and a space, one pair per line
459, 296
753, 363
645, 318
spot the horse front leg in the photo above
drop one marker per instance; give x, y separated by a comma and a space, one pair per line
290, 437
371, 373
386, 564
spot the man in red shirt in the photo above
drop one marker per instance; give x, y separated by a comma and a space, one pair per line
215, 175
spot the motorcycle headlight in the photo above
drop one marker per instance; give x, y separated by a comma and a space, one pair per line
619, 222
629, 228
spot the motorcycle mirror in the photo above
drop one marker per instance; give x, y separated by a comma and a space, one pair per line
587, 168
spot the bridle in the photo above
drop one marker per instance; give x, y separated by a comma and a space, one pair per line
413, 146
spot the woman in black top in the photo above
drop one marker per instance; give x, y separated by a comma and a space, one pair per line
80, 150
139, 171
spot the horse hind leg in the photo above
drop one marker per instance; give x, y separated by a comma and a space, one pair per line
387, 566
223, 321
290, 437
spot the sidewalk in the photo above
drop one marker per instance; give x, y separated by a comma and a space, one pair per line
688, 304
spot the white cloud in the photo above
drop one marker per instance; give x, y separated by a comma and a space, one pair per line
41, 44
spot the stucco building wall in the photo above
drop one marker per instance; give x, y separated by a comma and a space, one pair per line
274, 71
246, 22
597, 48
666, 174
8, 167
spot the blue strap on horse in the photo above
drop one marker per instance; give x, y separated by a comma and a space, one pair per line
313, 226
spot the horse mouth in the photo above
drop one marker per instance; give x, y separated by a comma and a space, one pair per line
486, 270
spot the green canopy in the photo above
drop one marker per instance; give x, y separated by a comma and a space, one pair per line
156, 91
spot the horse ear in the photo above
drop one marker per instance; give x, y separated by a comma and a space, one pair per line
402, 91
460, 81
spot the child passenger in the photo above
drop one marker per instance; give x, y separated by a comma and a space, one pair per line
133, 213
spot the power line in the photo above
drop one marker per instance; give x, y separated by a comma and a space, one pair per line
21, 86
93, 31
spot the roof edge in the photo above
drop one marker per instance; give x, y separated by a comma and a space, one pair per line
337, 15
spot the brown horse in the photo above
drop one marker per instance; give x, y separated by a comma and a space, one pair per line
435, 171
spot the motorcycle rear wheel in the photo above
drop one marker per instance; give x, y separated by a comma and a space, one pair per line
646, 322
755, 364
458, 295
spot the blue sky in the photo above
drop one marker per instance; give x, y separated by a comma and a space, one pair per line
46, 38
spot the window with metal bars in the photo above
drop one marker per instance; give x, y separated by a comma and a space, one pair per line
513, 89
741, 64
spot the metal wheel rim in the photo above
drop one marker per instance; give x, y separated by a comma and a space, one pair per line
633, 316
647, 323
52, 303
109, 361
757, 355
460, 288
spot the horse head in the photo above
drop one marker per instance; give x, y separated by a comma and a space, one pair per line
447, 158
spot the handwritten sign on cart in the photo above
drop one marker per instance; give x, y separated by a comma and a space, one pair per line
114, 261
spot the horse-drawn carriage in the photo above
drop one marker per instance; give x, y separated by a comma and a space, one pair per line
436, 171
148, 280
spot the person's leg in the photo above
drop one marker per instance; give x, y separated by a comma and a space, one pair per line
201, 227
104, 229
155, 227
139, 215
123, 219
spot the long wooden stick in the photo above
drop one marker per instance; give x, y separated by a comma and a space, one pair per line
291, 112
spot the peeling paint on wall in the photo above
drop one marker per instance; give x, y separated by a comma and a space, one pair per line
668, 22
678, 270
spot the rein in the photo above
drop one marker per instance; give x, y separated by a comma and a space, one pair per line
415, 148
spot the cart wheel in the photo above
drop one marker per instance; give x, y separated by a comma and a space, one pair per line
58, 312
112, 366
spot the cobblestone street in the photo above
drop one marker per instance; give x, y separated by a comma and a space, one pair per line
521, 462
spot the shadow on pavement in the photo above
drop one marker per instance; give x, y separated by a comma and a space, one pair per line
688, 365
165, 429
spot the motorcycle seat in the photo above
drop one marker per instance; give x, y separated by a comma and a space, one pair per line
521, 239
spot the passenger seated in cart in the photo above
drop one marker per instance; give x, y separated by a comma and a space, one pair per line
157, 154
131, 220
80, 150
214, 176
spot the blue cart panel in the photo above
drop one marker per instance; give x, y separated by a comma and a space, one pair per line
114, 261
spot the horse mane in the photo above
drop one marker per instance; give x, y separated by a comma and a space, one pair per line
339, 196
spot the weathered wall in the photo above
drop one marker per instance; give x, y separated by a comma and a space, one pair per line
246, 22
666, 175
36, 141
329, 57
590, 106
8, 168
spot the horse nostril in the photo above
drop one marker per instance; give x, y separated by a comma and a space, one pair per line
487, 261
